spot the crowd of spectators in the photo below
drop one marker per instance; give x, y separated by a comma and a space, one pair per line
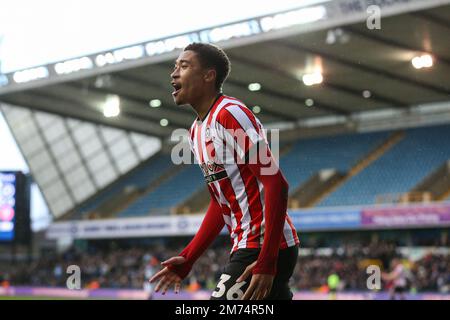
131, 267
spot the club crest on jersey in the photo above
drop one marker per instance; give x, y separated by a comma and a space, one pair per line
213, 171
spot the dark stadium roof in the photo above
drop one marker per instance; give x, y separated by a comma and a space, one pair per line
358, 60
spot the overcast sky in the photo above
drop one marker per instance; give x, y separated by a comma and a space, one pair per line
37, 32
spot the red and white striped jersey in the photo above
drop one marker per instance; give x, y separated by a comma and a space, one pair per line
230, 181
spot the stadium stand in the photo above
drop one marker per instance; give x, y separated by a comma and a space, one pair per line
303, 159
138, 179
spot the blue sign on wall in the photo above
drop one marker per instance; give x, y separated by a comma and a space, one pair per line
321, 219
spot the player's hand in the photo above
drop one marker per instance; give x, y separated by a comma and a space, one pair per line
260, 285
385, 276
168, 277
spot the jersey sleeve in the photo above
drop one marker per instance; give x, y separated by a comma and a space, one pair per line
276, 189
210, 228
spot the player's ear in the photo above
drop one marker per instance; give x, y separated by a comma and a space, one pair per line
210, 75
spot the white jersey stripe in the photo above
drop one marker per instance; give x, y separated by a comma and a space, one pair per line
196, 146
287, 232
226, 136
241, 196
233, 220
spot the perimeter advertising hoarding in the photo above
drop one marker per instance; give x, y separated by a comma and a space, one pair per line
8, 196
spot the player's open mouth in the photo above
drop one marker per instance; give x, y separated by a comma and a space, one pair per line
177, 89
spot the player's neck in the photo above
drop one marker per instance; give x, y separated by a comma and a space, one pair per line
203, 105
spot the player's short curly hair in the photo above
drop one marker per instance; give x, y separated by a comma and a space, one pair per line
211, 56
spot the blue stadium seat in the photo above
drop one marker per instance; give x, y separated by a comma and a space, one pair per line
170, 193
341, 152
140, 179
397, 171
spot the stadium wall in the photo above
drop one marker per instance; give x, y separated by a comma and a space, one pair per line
197, 295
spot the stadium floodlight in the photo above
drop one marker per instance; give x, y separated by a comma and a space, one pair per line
103, 81
366, 94
243, 29
256, 109
3, 80
309, 102
336, 36
167, 45
155, 103
254, 86
111, 108
311, 79
423, 61
292, 18
164, 122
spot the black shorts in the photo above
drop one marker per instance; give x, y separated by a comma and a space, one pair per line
399, 289
228, 289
